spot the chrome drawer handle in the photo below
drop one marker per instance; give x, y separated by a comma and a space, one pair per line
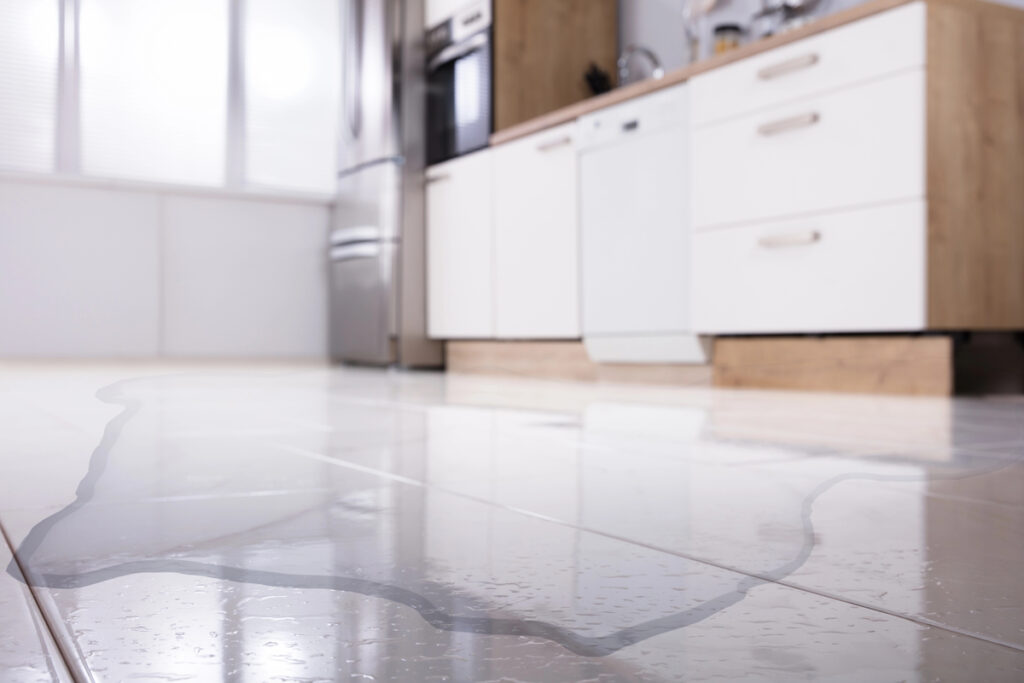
786, 125
351, 252
789, 239
430, 179
554, 144
788, 67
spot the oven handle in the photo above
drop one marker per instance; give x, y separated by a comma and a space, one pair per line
351, 252
453, 52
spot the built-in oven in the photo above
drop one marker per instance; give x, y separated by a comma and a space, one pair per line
459, 56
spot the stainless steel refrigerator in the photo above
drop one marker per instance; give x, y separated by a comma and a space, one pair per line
378, 301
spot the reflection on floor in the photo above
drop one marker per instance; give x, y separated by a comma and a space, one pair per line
304, 523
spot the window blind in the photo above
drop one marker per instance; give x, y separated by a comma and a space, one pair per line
29, 51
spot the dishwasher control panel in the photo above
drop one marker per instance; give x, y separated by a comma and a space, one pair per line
655, 111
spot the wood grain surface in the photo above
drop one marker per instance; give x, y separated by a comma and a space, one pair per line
543, 49
910, 365
975, 104
562, 360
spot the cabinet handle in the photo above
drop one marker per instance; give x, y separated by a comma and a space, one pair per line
788, 66
786, 125
789, 239
440, 177
554, 144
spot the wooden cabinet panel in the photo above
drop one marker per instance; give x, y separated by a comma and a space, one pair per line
975, 171
542, 50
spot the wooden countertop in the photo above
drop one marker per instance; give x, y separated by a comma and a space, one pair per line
682, 74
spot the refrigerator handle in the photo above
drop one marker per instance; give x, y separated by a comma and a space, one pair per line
354, 67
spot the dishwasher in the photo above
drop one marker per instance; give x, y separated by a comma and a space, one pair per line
634, 231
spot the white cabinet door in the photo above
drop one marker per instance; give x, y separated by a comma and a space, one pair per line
857, 271
536, 250
460, 248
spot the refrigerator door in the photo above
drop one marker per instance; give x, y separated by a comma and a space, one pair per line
363, 256
369, 126
369, 200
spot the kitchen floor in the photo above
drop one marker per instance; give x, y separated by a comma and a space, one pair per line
301, 523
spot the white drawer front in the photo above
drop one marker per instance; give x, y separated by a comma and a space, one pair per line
858, 146
861, 271
873, 47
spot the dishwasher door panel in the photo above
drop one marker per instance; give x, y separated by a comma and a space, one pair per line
635, 235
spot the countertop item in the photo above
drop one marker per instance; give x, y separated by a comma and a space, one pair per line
727, 37
684, 73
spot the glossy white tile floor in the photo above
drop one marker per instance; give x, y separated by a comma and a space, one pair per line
307, 524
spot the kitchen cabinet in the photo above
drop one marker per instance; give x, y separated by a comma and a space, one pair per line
859, 146
861, 270
838, 190
536, 249
829, 60
460, 248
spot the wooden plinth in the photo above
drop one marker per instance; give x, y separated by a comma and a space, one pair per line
909, 365
562, 360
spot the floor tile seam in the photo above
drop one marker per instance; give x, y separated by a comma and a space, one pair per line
916, 619
876, 447
65, 657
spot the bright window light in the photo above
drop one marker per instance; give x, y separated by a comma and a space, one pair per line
292, 82
154, 89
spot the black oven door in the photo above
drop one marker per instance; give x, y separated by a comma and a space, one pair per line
459, 117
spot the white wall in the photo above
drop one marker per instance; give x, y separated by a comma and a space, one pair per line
244, 278
101, 272
78, 272
658, 24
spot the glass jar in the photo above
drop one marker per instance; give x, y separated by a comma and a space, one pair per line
727, 37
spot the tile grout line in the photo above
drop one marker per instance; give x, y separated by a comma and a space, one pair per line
920, 621
65, 657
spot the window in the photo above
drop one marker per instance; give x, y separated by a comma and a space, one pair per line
29, 53
154, 89
239, 93
292, 70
